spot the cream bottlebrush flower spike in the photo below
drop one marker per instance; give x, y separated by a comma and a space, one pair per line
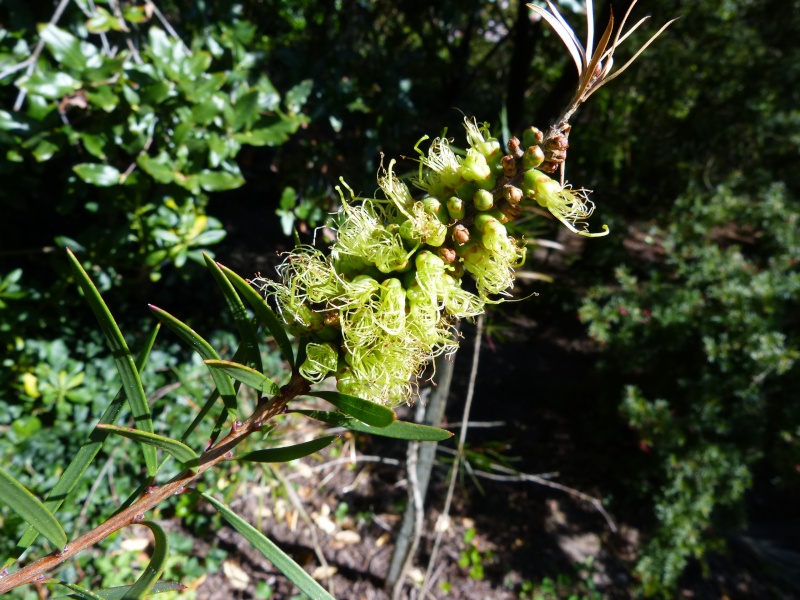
593, 72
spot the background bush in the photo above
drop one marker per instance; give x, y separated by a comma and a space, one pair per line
141, 165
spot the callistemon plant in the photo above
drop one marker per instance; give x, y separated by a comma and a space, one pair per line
384, 300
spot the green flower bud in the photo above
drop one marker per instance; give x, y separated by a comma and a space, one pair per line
531, 137
533, 157
434, 207
475, 167
455, 206
483, 199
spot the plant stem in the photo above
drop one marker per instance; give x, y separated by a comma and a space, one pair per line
297, 386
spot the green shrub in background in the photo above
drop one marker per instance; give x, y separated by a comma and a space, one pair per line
707, 339
131, 129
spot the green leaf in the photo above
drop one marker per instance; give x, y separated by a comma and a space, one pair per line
126, 366
159, 168
52, 86
296, 97
85, 455
219, 181
32, 511
371, 413
246, 375
180, 451
287, 453
206, 352
155, 567
401, 430
273, 135
244, 325
44, 150
9, 123
97, 174
64, 47
294, 572
263, 313
118, 593
245, 111
81, 593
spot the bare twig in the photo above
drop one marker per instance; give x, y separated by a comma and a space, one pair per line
462, 438
168, 26
30, 62
415, 495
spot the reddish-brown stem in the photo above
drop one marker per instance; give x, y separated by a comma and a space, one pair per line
297, 386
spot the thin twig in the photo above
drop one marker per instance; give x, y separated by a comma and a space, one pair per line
440, 523
167, 26
31, 61
342, 461
416, 497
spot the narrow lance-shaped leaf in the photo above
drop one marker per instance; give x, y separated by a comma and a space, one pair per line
118, 593
85, 455
126, 366
243, 323
80, 592
371, 413
401, 430
180, 451
294, 572
154, 568
287, 453
246, 375
32, 511
206, 352
263, 313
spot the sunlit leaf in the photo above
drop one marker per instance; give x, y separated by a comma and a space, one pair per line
249, 377
401, 430
294, 572
31, 510
247, 331
370, 413
126, 366
263, 313
154, 568
180, 451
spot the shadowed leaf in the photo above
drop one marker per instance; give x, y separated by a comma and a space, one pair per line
287, 453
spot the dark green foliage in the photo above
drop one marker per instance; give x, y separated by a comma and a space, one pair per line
710, 334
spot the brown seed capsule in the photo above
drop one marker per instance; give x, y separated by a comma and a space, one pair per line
447, 254
331, 318
509, 166
511, 212
460, 234
515, 148
512, 193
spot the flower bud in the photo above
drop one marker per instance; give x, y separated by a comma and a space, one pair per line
483, 199
511, 212
532, 137
447, 254
533, 157
514, 147
460, 234
512, 194
455, 206
475, 167
509, 166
